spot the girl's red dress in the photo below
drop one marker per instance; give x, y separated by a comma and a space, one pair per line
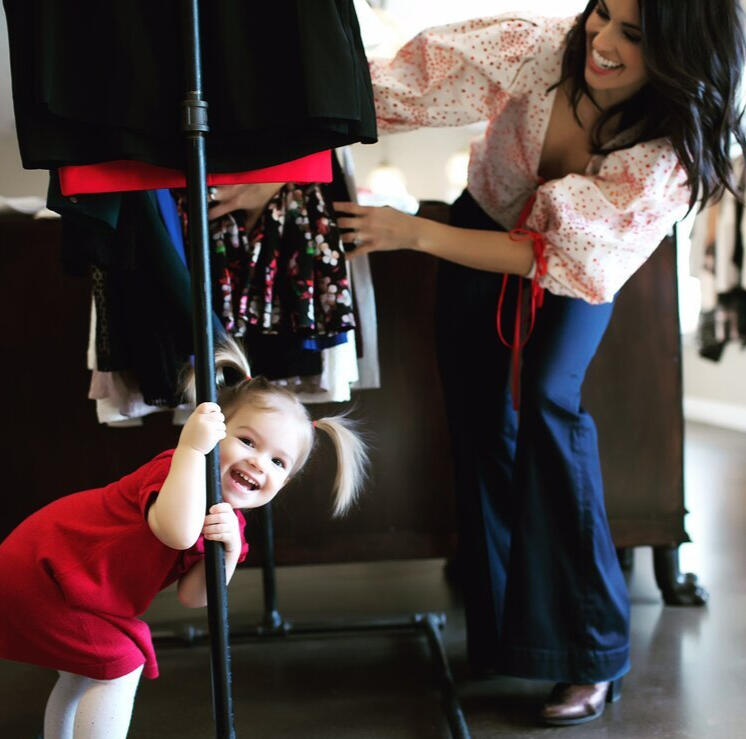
76, 575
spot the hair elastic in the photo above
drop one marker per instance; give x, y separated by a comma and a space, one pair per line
313, 423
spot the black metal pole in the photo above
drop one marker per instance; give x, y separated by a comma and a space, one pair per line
273, 621
194, 124
433, 623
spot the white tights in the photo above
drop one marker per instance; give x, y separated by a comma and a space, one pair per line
83, 708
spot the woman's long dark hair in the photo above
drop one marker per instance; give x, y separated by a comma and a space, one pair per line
694, 52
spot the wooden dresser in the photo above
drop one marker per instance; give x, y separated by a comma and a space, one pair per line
53, 444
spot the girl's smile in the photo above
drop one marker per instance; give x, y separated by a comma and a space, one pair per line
244, 480
256, 456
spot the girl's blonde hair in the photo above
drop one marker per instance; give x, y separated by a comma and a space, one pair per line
236, 388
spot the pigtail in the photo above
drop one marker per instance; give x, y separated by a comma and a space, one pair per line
352, 459
231, 367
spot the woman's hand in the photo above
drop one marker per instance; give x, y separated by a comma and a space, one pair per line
221, 524
204, 428
377, 229
385, 229
251, 198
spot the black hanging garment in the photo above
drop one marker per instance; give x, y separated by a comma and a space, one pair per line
282, 80
141, 290
280, 287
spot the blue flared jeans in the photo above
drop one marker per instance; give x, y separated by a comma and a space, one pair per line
543, 591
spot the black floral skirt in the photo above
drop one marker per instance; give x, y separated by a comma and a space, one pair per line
288, 274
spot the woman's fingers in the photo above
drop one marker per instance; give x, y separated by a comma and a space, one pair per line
351, 227
341, 206
378, 228
353, 223
252, 198
355, 238
226, 200
221, 209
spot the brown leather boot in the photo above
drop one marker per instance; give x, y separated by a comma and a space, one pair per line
570, 704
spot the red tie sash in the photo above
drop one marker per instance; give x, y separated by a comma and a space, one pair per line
520, 233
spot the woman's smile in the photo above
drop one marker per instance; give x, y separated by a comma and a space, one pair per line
600, 65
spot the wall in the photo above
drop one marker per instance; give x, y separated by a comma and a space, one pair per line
14, 180
715, 392
420, 155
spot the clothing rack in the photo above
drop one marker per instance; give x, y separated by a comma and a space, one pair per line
428, 624
273, 625
195, 128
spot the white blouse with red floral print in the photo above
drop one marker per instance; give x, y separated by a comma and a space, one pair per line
599, 227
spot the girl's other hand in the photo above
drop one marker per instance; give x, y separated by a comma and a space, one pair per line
204, 428
221, 524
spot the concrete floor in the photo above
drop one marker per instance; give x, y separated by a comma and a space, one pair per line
687, 681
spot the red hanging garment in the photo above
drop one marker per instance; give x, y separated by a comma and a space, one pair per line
123, 175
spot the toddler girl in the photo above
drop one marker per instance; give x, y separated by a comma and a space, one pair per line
77, 574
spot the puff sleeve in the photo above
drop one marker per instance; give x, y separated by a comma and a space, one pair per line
452, 75
599, 229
